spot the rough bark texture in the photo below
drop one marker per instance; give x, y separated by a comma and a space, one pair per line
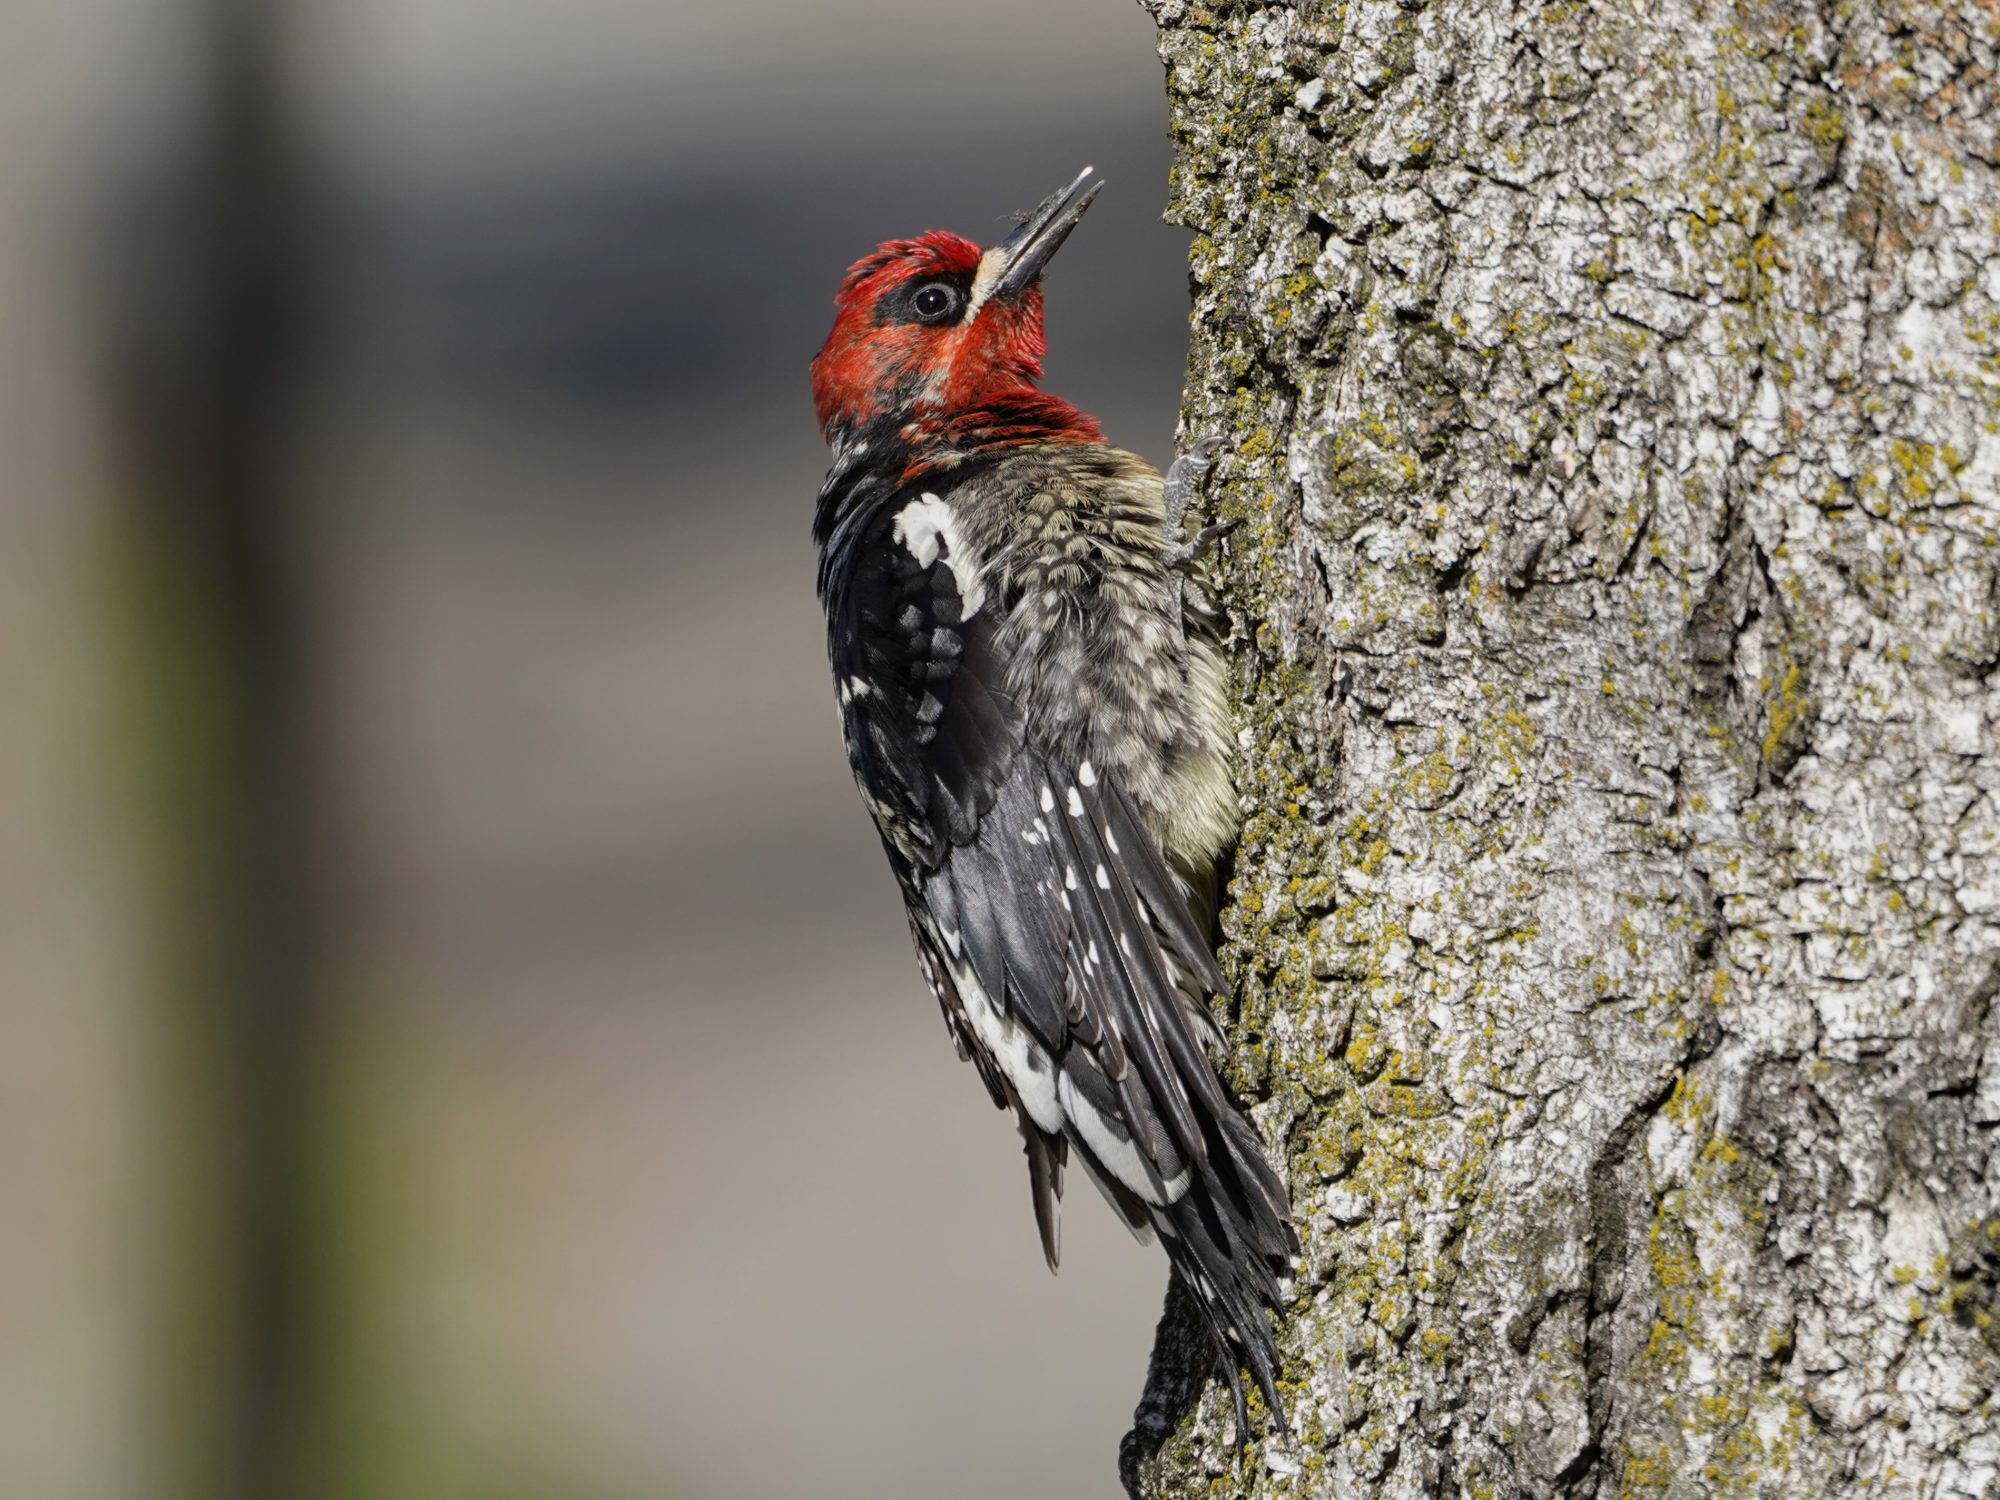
1611, 395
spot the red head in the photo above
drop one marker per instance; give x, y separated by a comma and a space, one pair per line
935, 329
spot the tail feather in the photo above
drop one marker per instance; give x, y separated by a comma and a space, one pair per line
1231, 1242
1046, 1155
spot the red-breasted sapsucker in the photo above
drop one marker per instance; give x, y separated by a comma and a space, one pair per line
1037, 723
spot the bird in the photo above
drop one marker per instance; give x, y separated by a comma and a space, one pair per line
1038, 725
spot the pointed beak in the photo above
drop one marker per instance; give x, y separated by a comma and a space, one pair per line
1020, 257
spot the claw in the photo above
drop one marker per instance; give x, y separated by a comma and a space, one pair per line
1198, 544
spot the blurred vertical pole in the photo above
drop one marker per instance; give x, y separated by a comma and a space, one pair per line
246, 515
210, 412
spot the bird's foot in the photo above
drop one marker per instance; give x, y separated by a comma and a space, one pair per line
1197, 545
1183, 1359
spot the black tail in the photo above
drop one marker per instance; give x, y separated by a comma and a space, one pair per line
1232, 1244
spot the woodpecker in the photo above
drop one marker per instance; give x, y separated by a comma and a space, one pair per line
1037, 724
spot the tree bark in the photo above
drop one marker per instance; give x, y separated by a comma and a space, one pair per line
1611, 396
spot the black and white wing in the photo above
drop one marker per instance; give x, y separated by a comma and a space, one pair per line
1059, 945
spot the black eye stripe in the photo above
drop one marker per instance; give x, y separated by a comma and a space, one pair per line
933, 301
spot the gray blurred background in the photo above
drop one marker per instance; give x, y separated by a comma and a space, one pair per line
457, 1036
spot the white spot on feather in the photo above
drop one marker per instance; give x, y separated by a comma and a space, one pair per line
1075, 804
1069, 877
1087, 774
1103, 878
1048, 804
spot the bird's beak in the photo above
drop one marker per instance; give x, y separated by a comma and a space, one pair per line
1017, 261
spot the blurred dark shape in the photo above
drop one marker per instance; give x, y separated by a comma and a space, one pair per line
206, 374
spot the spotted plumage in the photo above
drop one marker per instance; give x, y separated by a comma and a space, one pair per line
1041, 737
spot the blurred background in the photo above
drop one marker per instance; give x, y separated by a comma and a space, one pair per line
457, 1036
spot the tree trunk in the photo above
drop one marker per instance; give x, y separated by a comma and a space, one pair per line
1610, 395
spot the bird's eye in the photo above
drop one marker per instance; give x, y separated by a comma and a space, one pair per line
935, 302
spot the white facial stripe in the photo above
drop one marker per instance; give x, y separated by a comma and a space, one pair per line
991, 264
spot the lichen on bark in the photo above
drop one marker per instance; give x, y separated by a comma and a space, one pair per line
1612, 404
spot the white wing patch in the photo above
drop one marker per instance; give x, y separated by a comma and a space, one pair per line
920, 526
928, 528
